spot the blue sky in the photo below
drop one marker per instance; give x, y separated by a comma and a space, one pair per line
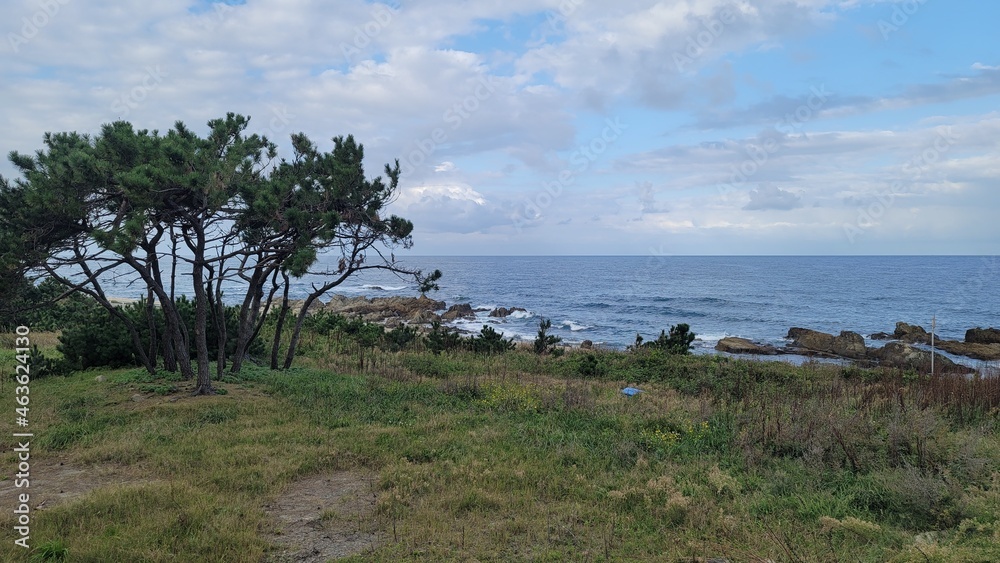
571, 126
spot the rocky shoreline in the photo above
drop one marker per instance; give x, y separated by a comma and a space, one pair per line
902, 351
905, 347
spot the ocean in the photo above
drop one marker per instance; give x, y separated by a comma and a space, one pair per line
610, 299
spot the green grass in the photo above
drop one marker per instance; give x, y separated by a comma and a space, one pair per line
517, 457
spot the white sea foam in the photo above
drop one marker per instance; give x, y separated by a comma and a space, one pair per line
573, 326
473, 326
383, 287
712, 337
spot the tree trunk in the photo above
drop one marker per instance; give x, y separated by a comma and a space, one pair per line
249, 313
276, 344
218, 309
203, 385
151, 319
299, 320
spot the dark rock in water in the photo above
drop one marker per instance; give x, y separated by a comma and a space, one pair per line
983, 336
850, 345
905, 356
847, 344
984, 352
501, 312
587, 344
911, 333
734, 345
881, 336
459, 311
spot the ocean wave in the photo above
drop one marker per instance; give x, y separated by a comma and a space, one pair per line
521, 315
474, 326
712, 338
374, 287
573, 326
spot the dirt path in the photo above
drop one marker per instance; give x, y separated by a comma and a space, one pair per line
323, 517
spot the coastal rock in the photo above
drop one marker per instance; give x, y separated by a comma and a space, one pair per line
342, 305
983, 336
905, 356
912, 334
381, 308
850, 345
847, 344
295, 305
984, 352
423, 317
587, 344
459, 311
501, 312
734, 345
881, 336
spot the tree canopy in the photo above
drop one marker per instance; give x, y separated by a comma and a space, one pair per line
219, 211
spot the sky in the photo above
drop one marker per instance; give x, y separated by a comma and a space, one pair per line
551, 127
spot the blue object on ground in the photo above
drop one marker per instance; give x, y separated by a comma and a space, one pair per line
631, 391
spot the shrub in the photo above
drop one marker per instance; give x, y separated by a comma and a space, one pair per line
490, 342
322, 322
42, 366
93, 337
545, 343
678, 341
442, 338
399, 338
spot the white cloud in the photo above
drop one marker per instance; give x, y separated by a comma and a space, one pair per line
774, 198
480, 130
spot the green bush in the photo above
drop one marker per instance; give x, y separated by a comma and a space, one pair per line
400, 338
442, 338
678, 341
490, 342
93, 337
322, 322
545, 343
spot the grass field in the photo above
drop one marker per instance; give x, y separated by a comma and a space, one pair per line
513, 457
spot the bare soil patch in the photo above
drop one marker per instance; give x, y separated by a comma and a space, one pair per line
56, 481
323, 517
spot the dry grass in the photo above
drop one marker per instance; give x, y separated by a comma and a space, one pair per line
515, 457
